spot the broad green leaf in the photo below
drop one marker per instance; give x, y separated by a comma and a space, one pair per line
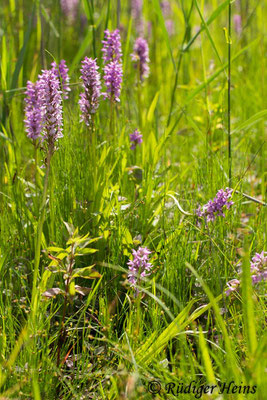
152, 107
56, 260
86, 272
77, 239
57, 249
72, 290
82, 252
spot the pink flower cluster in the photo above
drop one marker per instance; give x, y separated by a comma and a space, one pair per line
258, 269
43, 101
112, 46
43, 104
62, 72
89, 99
136, 138
113, 80
141, 58
33, 110
51, 99
70, 8
112, 57
140, 266
214, 208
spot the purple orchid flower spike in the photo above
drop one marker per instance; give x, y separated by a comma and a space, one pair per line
139, 266
89, 99
141, 58
112, 46
33, 111
113, 80
51, 100
61, 71
136, 138
214, 208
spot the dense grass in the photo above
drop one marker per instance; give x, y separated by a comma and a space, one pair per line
182, 327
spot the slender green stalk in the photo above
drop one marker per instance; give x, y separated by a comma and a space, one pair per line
93, 145
39, 236
111, 120
139, 100
61, 335
229, 97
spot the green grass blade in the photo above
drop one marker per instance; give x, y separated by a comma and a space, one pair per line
205, 25
206, 357
81, 51
248, 306
156, 5
250, 122
213, 16
22, 52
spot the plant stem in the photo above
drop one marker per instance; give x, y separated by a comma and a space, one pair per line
39, 237
111, 122
229, 97
61, 335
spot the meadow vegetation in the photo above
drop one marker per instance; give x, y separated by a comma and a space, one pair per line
124, 258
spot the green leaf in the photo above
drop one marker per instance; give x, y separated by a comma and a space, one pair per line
206, 357
227, 37
157, 8
248, 306
213, 16
57, 260
57, 249
127, 237
250, 122
48, 19
78, 239
218, 72
231, 355
81, 50
82, 252
86, 272
205, 25
152, 107
72, 289
22, 52
150, 348
4, 65
126, 48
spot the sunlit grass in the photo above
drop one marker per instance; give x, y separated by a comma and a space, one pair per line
106, 342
